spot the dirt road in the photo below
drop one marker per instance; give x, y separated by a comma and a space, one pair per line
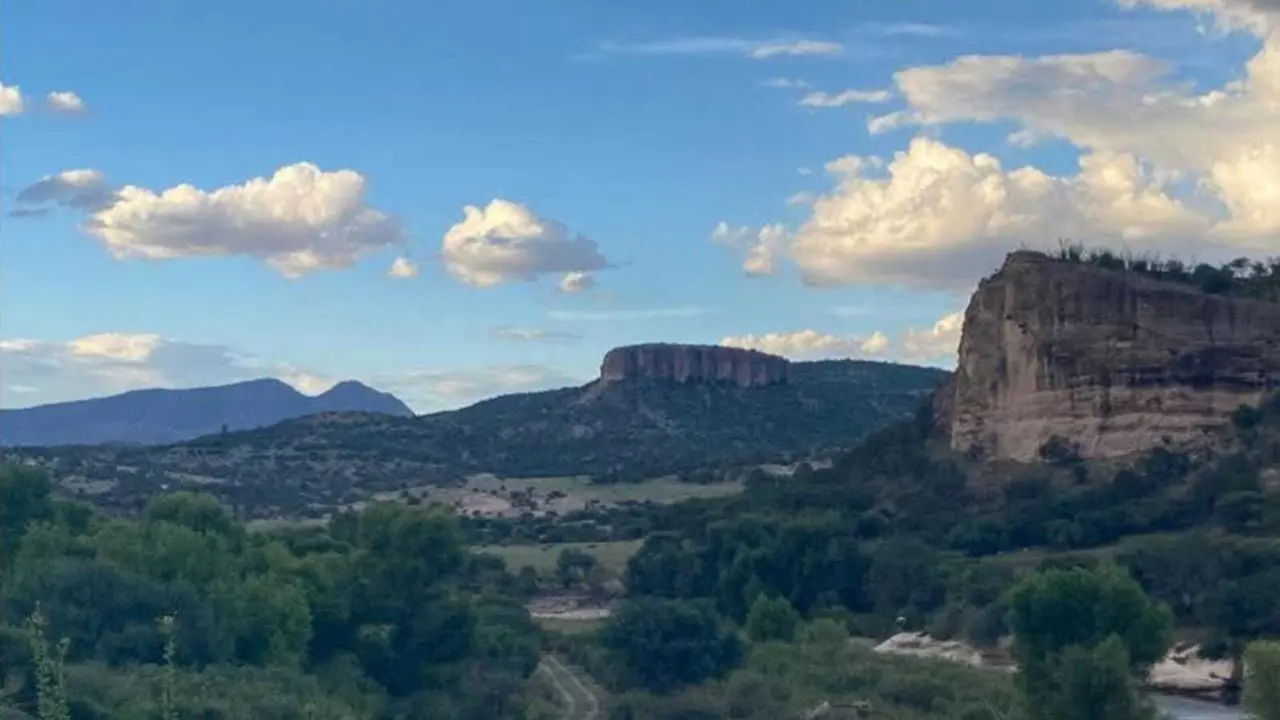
580, 702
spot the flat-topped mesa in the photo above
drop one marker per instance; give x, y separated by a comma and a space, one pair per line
708, 364
1111, 360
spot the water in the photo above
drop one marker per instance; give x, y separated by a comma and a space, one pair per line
1184, 709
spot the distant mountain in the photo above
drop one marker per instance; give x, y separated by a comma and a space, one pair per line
161, 416
655, 410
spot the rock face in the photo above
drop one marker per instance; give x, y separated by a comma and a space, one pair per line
1110, 360
694, 364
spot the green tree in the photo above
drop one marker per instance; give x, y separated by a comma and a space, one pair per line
666, 644
772, 619
1081, 636
26, 496
1093, 683
198, 511
1262, 679
573, 566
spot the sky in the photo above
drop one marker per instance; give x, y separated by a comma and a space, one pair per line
451, 200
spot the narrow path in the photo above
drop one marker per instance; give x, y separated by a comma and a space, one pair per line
580, 702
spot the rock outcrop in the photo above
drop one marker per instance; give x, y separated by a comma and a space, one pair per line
1112, 361
694, 364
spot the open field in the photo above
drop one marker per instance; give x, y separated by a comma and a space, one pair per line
570, 626
612, 556
489, 495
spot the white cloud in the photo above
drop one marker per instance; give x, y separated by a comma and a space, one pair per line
84, 189
785, 83
938, 344
430, 390
795, 48
519, 334
11, 100
643, 314
1163, 165
810, 344
403, 268
847, 97
925, 30
576, 282
65, 101
755, 49
304, 381
115, 362
940, 217
300, 220
505, 241
760, 246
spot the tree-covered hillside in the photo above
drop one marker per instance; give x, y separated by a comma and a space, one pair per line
183, 614
619, 431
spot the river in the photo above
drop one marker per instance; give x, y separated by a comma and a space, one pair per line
1184, 709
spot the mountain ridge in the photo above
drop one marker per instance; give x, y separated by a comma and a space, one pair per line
159, 416
613, 430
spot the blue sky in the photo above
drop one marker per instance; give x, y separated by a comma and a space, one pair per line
639, 126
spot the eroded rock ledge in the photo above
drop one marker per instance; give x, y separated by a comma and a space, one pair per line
1109, 360
694, 364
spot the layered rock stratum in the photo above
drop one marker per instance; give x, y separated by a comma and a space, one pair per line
709, 364
1112, 361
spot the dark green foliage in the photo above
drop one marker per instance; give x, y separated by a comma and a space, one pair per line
778, 681
771, 619
383, 614
573, 566
1262, 684
1241, 277
667, 644
1081, 637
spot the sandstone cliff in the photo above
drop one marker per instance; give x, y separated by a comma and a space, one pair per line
694, 364
1110, 360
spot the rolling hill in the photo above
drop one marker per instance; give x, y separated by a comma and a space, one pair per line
162, 416
617, 429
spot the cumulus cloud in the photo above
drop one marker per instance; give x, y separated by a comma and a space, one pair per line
1163, 165
847, 97
431, 390
38, 371
299, 220
403, 268
519, 334
85, 190
937, 344
65, 102
505, 242
11, 100
760, 246
811, 344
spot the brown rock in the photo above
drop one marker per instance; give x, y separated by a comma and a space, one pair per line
1110, 360
694, 364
